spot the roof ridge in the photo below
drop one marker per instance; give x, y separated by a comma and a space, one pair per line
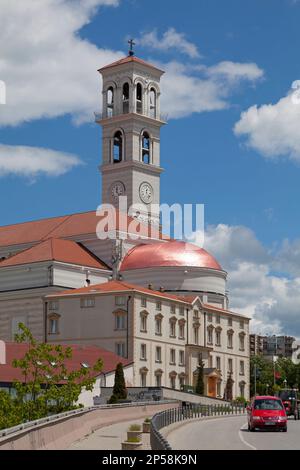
65, 219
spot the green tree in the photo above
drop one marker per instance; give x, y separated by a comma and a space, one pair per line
229, 387
119, 390
200, 379
47, 385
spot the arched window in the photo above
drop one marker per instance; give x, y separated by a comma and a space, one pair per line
139, 99
152, 103
145, 147
125, 98
118, 147
110, 101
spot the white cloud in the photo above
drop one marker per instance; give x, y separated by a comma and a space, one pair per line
193, 89
273, 301
273, 130
48, 69
34, 161
171, 39
235, 71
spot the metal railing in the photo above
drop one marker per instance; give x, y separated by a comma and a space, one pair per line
77, 411
190, 411
99, 116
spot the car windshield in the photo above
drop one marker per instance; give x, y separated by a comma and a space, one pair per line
287, 394
265, 404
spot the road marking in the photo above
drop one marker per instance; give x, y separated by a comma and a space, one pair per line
242, 438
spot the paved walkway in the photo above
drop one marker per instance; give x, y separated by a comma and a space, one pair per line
109, 438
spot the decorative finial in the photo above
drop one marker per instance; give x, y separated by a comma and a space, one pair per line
131, 44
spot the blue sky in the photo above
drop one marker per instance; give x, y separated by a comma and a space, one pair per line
246, 178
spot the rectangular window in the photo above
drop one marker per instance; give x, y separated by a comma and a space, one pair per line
218, 338
120, 322
144, 302
53, 326
209, 317
230, 365
158, 305
120, 349
181, 330
218, 319
242, 368
196, 315
172, 356
158, 380
143, 323
229, 321
230, 340
158, 326
53, 305
143, 380
143, 352
218, 362
173, 308
158, 354
181, 310
242, 342
15, 326
210, 336
196, 335
181, 358
173, 382
120, 300
87, 302
242, 324
172, 329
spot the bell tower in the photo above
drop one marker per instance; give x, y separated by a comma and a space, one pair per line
131, 123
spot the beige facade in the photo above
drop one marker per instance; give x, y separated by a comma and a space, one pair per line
166, 338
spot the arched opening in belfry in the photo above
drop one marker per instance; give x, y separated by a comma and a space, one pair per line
152, 99
125, 98
110, 101
139, 99
145, 147
118, 147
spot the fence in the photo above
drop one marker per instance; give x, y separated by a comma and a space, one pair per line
69, 414
173, 415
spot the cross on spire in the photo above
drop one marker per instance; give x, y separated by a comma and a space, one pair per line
131, 44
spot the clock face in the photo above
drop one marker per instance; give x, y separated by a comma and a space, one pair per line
146, 193
117, 190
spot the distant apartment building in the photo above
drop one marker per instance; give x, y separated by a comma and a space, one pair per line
256, 344
278, 346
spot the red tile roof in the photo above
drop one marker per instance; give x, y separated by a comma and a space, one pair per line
217, 309
54, 249
117, 286
127, 60
66, 226
81, 354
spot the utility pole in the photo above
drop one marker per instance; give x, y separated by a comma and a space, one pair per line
255, 380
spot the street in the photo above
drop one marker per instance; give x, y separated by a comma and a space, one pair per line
232, 434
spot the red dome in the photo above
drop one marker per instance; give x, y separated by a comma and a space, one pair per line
172, 253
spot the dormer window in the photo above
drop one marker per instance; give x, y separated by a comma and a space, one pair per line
110, 102
145, 148
125, 98
152, 103
118, 147
139, 99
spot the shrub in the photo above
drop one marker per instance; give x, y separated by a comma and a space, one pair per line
113, 399
135, 427
147, 420
134, 439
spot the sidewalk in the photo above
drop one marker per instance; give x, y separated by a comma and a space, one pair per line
109, 438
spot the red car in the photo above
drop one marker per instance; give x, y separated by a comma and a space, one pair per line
267, 412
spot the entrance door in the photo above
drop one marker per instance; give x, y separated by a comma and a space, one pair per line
212, 386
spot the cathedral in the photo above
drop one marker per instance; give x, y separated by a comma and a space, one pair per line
159, 302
